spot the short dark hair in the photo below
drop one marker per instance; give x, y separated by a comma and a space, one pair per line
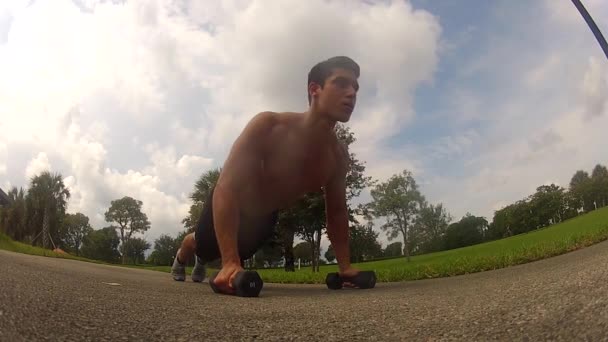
322, 70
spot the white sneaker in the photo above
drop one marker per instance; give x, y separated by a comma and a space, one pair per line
178, 270
199, 271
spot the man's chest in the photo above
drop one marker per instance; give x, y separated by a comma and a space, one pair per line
298, 167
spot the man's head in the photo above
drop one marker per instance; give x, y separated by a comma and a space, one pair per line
333, 86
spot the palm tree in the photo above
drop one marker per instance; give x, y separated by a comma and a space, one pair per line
202, 190
204, 184
4, 200
13, 214
47, 201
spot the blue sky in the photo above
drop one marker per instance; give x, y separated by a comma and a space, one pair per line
482, 100
472, 31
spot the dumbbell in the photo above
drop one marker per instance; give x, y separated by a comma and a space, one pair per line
246, 284
363, 280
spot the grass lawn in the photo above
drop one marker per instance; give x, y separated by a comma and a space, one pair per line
14, 246
558, 239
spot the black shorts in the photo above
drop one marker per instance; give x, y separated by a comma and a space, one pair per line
252, 233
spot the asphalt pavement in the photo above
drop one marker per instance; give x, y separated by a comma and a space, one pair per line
564, 298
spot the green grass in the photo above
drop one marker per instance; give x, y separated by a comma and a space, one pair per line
573, 234
8, 244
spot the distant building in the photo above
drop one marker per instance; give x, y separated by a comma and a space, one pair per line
4, 201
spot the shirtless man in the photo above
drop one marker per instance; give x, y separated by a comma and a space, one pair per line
277, 159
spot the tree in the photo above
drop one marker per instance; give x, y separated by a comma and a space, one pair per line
303, 251
102, 245
470, 230
570, 206
399, 201
356, 180
270, 254
4, 200
330, 254
599, 186
74, 229
165, 249
126, 212
551, 204
394, 249
13, 218
286, 227
202, 190
46, 203
547, 205
580, 187
430, 227
363, 243
515, 218
194, 213
135, 249
308, 216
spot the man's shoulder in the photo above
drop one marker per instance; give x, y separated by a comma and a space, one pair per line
270, 120
269, 117
260, 123
263, 118
267, 125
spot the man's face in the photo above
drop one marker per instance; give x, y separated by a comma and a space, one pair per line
338, 96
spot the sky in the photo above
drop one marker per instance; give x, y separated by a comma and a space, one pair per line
483, 101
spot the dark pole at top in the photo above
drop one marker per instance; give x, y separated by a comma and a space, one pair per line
596, 31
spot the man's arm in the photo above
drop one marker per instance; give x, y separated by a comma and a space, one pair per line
240, 166
337, 219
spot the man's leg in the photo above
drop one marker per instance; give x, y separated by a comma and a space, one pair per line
200, 244
187, 249
184, 254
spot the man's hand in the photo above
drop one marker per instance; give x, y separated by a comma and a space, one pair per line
348, 273
225, 277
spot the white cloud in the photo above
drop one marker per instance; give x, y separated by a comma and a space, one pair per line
450, 147
538, 75
170, 170
595, 87
139, 98
3, 158
37, 165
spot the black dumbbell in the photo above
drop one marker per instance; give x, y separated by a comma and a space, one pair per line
363, 280
246, 284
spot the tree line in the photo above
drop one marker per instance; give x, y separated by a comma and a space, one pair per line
552, 204
38, 216
397, 208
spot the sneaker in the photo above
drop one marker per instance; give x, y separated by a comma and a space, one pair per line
178, 270
198, 272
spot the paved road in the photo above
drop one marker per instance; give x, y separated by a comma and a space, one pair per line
563, 298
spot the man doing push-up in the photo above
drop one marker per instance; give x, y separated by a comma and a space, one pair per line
277, 158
